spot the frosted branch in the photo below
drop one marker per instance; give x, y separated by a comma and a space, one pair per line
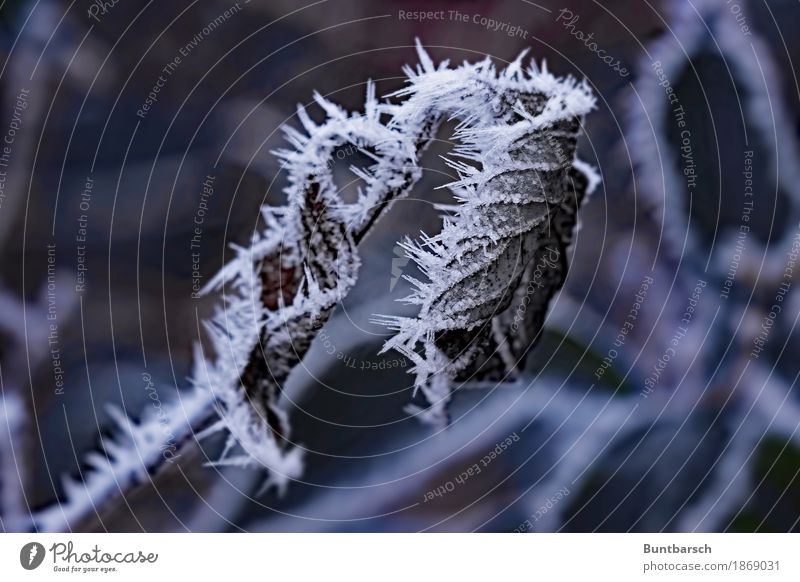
520, 125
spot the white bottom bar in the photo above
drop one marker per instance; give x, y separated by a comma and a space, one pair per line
402, 557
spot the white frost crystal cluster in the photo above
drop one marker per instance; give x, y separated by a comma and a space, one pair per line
519, 188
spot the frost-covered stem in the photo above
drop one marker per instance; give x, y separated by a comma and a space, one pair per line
131, 457
14, 514
520, 124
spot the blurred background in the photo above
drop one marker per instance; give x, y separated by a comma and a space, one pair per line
663, 394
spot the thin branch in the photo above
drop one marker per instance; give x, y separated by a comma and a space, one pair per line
520, 124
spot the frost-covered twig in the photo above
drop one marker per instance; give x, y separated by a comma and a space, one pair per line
694, 26
520, 125
296, 271
128, 458
13, 506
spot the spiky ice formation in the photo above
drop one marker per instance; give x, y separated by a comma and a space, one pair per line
502, 250
519, 126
